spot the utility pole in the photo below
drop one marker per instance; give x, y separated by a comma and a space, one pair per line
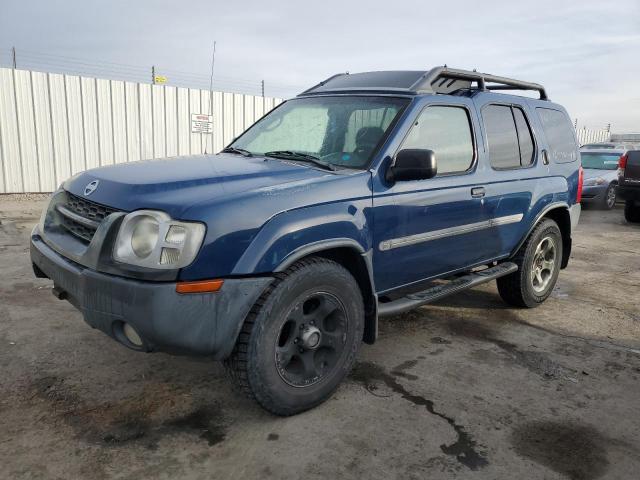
13, 57
262, 85
609, 127
153, 74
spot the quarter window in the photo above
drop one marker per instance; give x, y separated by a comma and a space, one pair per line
509, 138
446, 131
560, 135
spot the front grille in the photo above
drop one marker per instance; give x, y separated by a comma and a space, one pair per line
81, 217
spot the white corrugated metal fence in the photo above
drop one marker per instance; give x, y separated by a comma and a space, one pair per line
53, 126
592, 136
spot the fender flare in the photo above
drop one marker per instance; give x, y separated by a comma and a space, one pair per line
538, 219
371, 315
315, 247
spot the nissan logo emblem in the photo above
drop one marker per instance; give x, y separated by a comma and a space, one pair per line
91, 187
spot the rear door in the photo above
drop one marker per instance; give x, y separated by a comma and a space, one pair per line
427, 228
516, 177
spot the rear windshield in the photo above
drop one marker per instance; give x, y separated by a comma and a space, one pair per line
600, 161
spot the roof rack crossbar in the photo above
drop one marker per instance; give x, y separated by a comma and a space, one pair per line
426, 82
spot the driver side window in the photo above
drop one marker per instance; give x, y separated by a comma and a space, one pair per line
447, 131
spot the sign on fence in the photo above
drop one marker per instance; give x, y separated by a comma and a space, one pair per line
201, 123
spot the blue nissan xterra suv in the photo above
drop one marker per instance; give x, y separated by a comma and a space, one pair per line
339, 206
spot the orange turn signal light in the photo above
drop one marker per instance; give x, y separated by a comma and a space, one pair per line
201, 286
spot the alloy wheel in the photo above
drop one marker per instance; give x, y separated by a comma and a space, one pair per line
611, 196
543, 265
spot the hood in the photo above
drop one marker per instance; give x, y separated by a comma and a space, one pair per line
608, 175
175, 184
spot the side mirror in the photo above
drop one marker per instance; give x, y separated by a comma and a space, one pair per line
412, 164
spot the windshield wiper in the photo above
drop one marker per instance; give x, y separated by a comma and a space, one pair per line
241, 151
303, 157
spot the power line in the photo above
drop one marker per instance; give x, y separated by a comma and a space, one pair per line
54, 63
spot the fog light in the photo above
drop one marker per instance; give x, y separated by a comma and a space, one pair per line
131, 335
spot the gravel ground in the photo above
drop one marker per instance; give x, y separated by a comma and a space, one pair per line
465, 388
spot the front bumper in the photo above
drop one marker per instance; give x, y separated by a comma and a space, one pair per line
594, 193
197, 324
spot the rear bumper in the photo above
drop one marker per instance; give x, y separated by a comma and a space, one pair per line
196, 324
628, 193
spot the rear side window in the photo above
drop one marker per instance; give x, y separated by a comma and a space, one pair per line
560, 135
525, 139
446, 131
509, 137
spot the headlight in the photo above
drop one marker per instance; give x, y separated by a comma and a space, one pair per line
148, 238
594, 181
144, 237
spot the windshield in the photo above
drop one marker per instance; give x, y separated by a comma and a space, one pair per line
343, 131
600, 161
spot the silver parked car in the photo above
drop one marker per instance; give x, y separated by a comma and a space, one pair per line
600, 175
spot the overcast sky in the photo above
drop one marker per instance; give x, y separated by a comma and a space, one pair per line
586, 52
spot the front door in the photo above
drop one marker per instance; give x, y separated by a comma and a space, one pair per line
427, 228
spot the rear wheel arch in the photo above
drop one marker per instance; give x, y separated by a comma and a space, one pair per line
561, 216
559, 213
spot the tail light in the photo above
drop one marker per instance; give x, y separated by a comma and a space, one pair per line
622, 164
580, 182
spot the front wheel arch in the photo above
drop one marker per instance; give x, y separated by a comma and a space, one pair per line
358, 263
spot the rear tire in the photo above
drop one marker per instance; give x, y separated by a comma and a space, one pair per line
301, 337
538, 261
632, 211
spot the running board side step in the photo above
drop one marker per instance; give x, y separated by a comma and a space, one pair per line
432, 294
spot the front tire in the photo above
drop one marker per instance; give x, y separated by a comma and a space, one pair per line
538, 261
301, 337
632, 211
609, 200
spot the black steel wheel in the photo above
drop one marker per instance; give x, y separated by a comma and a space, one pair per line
311, 340
301, 337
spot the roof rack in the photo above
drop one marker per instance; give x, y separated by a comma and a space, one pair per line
439, 78
442, 80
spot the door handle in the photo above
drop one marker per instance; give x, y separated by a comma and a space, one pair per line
477, 192
545, 157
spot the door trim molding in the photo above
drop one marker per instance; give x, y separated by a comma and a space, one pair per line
448, 232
